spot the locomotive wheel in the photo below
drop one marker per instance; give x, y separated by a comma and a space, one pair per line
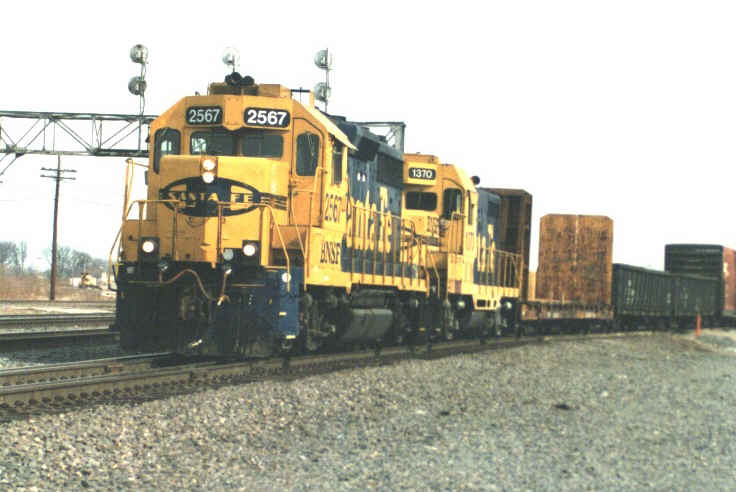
518, 329
401, 329
310, 341
128, 340
495, 326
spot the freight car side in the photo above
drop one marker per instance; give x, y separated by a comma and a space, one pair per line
695, 296
660, 299
708, 260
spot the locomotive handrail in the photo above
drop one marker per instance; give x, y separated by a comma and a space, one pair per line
111, 267
308, 258
268, 207
220, 206
358, 230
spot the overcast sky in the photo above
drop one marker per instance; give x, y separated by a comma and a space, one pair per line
618, 108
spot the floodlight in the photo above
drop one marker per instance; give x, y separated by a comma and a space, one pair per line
322, 91
137, 85
231, 57
139, 54
323, 59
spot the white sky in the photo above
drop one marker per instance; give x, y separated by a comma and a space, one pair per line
619, 108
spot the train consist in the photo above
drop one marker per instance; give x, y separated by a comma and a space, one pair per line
271, 227
579, 287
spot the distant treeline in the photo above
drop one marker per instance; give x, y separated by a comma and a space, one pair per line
69, 261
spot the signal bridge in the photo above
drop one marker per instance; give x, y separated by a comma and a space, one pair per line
84, 134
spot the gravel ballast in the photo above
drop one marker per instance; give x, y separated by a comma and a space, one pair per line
642, 412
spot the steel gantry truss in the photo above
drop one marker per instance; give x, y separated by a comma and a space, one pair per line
393, 131
88, 134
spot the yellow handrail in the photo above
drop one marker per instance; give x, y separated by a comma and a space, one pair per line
220, 206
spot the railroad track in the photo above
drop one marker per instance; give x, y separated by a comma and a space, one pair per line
36, 320
110, 304
26, 392
17, 340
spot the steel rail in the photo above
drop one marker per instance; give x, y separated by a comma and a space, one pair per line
38, 302
26, 340
69, 370
76, 319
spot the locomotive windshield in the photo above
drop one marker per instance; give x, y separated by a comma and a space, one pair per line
420, 200
257, 143
216, 142
249, 143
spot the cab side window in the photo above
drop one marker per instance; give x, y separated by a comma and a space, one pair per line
337, 162
167, 141
452, 202
471, 210
307, 154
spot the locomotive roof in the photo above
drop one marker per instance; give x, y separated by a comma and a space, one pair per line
330, 126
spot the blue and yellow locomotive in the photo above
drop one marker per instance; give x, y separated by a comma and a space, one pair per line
270, 227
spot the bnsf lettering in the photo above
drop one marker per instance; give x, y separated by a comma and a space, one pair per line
332, 207
330, 253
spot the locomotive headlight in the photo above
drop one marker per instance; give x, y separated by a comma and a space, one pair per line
208, 164
286, 277
148, 246
208, 176
228, 255
250, 249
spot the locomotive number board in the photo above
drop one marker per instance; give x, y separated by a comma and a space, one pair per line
204, 115
422, 173
278, 118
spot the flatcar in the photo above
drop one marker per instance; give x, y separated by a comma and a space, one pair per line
271, 227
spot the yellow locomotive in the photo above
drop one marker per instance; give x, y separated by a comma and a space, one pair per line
270, 227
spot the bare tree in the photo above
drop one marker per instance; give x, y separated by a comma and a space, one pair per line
63, 260
20, 256
80, 261
7, 252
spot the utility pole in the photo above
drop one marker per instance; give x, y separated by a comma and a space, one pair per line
58, 177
